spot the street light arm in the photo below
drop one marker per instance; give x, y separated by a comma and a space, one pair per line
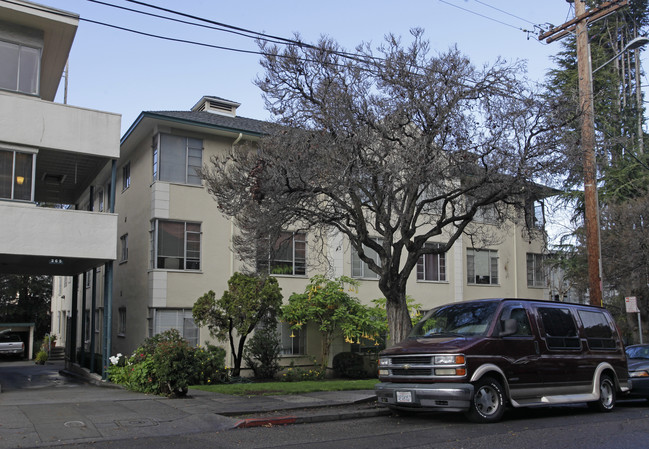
638, 42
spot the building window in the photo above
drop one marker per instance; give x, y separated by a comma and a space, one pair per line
535, 215
286, 257
176, 245
86, 317
360, 269
177, 159
98, 320
432, 267
121, 322
535, 270
88, 278
482, 266
126, 176
100, 200
124, 244
20, 68
293, 340
181, 319
16, 175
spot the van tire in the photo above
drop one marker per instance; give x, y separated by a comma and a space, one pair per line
487, 403
607, 395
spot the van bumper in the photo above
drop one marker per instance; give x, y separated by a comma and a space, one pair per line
450, 397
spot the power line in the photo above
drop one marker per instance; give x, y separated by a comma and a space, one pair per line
505, 12
482, 15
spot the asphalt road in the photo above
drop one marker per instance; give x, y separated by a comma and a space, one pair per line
574, 427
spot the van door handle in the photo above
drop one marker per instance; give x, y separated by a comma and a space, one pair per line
536, 347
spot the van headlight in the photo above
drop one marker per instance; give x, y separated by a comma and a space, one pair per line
384, 361
449, 360
641, 373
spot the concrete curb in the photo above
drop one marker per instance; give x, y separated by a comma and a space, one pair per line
316, 418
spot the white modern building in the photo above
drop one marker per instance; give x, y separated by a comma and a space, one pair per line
50, 154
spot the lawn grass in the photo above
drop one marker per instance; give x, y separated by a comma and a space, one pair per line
272, 388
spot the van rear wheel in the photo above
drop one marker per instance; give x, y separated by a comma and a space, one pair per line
607, 395
487, 403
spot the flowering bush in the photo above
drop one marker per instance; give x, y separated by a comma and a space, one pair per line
297, 373
167, 365
210, 365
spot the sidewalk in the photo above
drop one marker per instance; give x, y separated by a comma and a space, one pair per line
73, 412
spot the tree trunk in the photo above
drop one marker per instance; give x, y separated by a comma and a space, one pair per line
399, 323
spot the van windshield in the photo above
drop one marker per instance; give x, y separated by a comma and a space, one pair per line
459, 319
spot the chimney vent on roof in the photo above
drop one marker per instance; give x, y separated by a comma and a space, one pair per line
217, 105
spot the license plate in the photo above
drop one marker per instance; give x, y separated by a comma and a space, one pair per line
404, 396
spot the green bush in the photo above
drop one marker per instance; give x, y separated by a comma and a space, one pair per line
349, 364
41, 357
262, 353
210, 365
297, 373
167, 365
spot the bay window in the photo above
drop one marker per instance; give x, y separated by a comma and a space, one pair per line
175, 245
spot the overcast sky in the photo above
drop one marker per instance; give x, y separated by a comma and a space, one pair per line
119, 71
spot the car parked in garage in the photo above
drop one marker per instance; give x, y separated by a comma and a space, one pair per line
11, 344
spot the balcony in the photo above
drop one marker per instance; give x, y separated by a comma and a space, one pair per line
42, 240
73, 144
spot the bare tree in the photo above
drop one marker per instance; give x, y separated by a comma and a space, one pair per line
392, 151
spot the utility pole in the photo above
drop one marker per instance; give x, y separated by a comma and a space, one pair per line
579, 25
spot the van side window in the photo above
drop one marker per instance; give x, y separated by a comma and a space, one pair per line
519, 314
598, 332
560, 328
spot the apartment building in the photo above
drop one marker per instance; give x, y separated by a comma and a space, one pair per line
173, 245
50, 154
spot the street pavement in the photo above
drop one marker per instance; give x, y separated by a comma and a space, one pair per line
65, 410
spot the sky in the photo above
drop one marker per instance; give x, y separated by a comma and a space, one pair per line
118, 71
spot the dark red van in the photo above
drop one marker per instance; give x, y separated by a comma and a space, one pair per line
478, 356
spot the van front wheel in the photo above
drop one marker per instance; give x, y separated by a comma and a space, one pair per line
606, 401
487, 403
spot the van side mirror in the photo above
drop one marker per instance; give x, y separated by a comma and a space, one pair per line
509, 327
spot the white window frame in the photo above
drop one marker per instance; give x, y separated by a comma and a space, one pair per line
492, 264
536, 273
180, 319
155, 237
22, 51
291, 346
360, 269
190, 178
441, 266
124, 246
126, 176
298, 265
14, 176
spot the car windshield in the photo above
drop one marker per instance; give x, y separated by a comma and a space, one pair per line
638, 352
468, 319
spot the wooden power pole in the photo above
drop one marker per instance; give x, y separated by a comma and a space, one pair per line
579, 26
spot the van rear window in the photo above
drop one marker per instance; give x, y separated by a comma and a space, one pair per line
560, 328
598, 332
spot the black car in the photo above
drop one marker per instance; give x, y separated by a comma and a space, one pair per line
638, 361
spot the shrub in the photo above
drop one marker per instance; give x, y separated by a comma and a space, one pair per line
297, 373
173, 365
349, 364
41, 357
262, 353
210, 365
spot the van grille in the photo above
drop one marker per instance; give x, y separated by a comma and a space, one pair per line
411, 360
412, 372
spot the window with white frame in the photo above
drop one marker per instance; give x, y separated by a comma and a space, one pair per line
287, 256
535, 270
177, 159
124, 245
535, 214
360, 269
181, 319
16, 175
126, 176
121, 322
20, 68
293, 341
175, 245
100, 200
432, 267
482, 266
